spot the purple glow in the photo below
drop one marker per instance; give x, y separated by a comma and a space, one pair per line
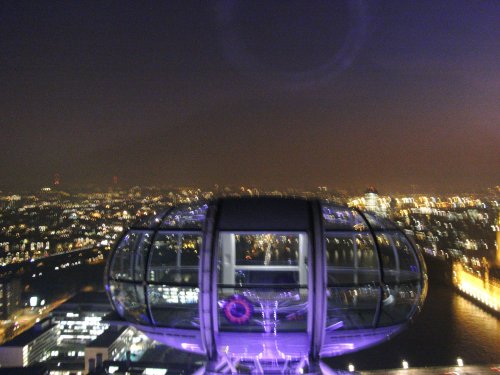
238, 309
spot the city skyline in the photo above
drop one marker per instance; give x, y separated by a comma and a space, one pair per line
52, 235
341, 94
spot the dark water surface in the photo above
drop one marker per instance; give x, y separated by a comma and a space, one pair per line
449, 326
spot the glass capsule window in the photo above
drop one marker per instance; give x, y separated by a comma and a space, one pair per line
351, 259
129, 301
149, 221
173, 277
379, 223
352, 280
342, 218
402, 276
174, 306
186, 216
175, 258
129, 259
262, 282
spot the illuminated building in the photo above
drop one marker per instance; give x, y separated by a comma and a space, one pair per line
10, 297
31, 346
484, 289
373, 203
112, 344
371, 199
79, 320
482, 286
266, 283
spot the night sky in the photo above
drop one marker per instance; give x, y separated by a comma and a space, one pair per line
263, 93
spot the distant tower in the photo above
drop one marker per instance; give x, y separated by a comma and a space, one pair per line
371, 199
57, 179
115, 180
373, 203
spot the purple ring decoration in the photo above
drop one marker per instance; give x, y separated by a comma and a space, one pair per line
238, 309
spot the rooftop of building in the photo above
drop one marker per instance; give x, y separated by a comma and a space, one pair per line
31, 334
107, 338
86, 300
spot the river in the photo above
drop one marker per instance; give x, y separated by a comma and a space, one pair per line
448, 327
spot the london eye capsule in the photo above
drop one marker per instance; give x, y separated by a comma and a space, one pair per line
263, 281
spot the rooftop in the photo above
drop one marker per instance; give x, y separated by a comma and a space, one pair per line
31, 334
107, 338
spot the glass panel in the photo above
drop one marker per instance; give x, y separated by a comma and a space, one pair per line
398, 302
367, 253
262, 280
175, 258
340, 251
351, 307
149, 221
129, 301
180, 275
398, 259
186, 216
387, 253
341, 218
266, 249
266, 310
129, 257
379, 223
175, 307
351, 259
405, 251
352, 276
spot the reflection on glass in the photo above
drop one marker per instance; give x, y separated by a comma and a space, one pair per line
387, 252
340, 251
407, 259
342, 218
351, 307
379, 223
149, 221
175, 307
351, 259
129, 301
186, 216
398, 259
129, 258
175, 258
399, 302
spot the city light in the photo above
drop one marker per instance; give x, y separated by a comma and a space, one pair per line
33, 301
457, 230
